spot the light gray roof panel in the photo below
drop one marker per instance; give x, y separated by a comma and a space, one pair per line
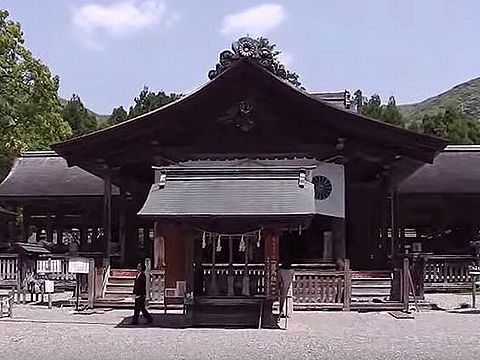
227, 197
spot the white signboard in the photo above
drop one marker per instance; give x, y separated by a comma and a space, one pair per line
78, 265
49, 266
49, 286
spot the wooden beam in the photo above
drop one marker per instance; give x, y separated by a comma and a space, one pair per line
107, 212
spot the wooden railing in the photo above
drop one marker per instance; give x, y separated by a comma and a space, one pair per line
245, 280
447, 272
9, 270
62, 277
322, 289
6, 305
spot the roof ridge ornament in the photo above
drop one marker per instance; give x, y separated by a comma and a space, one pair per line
246, 47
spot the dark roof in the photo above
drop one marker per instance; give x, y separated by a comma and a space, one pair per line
31, 248
45, 174
189, 119
241, 191
454, 171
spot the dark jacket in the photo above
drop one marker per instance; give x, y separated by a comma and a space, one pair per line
140, 286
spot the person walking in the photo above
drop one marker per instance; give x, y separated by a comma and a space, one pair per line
140, 292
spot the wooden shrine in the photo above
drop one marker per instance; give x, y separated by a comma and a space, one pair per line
245, 176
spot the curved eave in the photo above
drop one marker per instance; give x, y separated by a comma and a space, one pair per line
417, 146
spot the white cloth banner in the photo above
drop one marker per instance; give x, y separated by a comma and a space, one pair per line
329, 182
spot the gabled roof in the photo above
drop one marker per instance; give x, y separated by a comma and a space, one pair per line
290, 120
454, 171
45, 174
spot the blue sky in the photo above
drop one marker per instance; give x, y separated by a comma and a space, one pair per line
106, 50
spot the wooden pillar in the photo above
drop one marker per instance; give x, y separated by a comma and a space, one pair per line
26, 224
213, 278
231, 270
48, 226
339, 242
405, 284
246, 278
107, 212
271, 238
189, 259
347, 298
393, 222
148, 282
83, 232
91, 283
158, 247
122, 230
385, 220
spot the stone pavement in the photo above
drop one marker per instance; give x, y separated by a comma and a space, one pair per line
39, 333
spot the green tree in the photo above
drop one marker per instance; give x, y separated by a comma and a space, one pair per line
390, 113
119, 115
290, 76
29, 106
149, 101
453, 125
374, 109
81, 121
358, 100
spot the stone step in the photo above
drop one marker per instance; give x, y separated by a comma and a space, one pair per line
123, 273
121, 280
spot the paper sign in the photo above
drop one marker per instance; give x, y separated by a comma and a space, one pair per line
49, 286
78, 265
49, 266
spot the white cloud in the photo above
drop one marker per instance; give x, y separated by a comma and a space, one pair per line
254, 21
95, 22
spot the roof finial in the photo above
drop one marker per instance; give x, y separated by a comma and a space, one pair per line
245, 47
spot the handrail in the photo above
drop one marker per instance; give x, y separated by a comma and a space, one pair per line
449, 257
106, 276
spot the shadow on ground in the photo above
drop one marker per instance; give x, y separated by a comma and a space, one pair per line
174, 321
465, 311
169, 321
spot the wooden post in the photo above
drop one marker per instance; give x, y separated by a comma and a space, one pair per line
213, 279
10, 303
231, 270
107, 212
405, 281
91, 283
148, 268
246, 278
122, 233
347, 297
190, 243
474, 291
338, 232
49, 235
158, 247
393, 222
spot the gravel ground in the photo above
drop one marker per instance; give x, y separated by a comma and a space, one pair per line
39, 333
451, 301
